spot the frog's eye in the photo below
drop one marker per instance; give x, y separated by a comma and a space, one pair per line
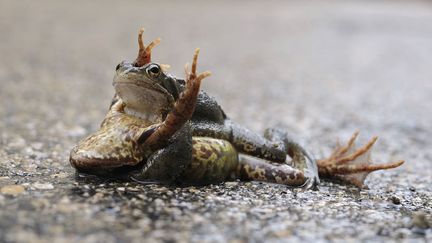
153, 70
117, 67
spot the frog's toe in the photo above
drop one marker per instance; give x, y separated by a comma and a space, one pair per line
311, 182
352, 165
311, 172
144, 52
192, 78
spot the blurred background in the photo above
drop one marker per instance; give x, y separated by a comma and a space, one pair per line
319, 69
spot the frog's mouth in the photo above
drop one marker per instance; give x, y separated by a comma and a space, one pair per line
167, 87
144, 95
170, 85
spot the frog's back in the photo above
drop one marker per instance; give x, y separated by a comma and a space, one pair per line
208, 109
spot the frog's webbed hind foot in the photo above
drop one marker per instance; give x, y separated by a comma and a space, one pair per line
352, 165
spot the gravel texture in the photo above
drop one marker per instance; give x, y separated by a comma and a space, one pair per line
320, 70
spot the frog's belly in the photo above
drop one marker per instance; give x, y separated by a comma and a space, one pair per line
213, 161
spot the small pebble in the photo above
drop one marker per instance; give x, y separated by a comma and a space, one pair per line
420, 220
76, 131
231, 183
12, 189
61, 175
395, 200
43, 186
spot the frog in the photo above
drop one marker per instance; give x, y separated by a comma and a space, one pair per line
164, 129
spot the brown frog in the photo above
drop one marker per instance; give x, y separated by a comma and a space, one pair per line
163, 129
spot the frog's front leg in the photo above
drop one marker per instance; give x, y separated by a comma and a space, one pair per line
182, 110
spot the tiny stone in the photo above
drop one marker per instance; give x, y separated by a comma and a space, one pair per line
12, 189
76, 131
395, 200
231, 183
17, 143
40, 203
419, 220
37, 145
43, 186
133, 189
193, 190
60, 175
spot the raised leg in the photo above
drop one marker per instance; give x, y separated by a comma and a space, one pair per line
182, 110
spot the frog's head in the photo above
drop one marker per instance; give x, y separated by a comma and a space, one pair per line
144, 86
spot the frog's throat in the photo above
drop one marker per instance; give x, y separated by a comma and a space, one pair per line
148, 114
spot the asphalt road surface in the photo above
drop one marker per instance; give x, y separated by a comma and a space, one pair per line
321, 70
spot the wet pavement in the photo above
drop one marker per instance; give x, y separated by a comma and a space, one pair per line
320, 70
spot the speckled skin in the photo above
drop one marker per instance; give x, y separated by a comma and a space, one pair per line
163, 129
205, 148
114, 144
